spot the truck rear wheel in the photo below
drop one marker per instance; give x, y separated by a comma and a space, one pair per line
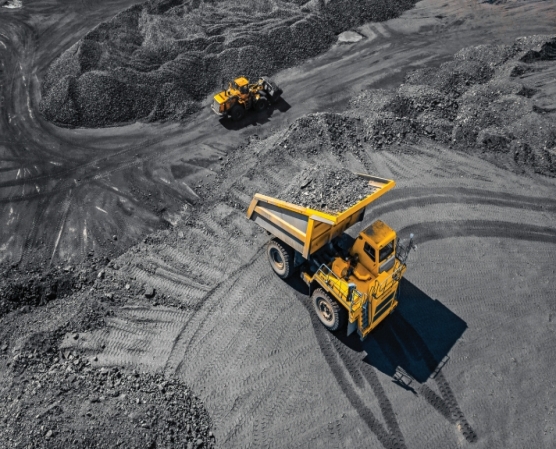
280, 257
330, 313
237, 112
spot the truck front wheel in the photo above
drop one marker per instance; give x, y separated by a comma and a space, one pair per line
330, 313
280, 257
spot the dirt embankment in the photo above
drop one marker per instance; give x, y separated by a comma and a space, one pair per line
159, 59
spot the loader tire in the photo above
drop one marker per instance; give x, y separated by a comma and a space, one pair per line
280, 257
261, 104
330, 313
237, 113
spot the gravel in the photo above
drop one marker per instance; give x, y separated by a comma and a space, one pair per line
330, 190
31, 288
160, 59
53, 396
71, 404
476, 103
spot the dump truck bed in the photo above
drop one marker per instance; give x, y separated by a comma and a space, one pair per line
307, 230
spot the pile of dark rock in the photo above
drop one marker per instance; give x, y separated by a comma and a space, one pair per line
160, 59
475, 103
35, 287
65, 402
52, 396
479, 103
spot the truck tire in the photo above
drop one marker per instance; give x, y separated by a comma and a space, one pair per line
330, 313
280, 257
261, 104
237, 112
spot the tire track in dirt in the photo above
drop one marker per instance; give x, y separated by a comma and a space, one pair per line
140, 336
239, 298
417, 197
340, 370
429, 231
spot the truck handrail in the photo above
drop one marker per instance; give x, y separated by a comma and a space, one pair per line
379, 288
357, 298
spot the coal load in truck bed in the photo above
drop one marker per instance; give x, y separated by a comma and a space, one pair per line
331, 190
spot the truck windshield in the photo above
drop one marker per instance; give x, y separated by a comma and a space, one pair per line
370, 251
386, 251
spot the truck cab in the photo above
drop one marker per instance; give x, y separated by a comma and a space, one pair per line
375, 247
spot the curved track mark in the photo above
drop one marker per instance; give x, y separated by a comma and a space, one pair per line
433, 230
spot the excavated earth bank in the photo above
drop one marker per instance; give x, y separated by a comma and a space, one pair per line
159, 59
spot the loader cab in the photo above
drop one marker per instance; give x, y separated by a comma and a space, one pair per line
239, 86
375, 247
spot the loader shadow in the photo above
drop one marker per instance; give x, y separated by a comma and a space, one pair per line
415, 339
253, 118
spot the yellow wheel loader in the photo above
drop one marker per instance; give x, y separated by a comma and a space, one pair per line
352, 281
241, 96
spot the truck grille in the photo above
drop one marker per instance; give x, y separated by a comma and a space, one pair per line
216, 106
383, 306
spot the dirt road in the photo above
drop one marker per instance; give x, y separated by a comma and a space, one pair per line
465, 361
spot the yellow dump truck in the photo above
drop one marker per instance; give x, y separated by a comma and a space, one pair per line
353, 281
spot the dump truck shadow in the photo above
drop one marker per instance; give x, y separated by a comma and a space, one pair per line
410, 346
415, 340
253, 118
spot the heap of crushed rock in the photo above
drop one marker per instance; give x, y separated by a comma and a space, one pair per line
70, 404
159, 59
54, 397
484, 101
495, 101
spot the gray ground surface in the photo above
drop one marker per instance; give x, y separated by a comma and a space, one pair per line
466, 360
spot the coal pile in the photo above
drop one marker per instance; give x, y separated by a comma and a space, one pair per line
71, 404
334, 131
480, 103
159, 59
53, 396
328, 189
27, 289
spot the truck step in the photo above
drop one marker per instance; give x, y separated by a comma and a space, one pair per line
365, 315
